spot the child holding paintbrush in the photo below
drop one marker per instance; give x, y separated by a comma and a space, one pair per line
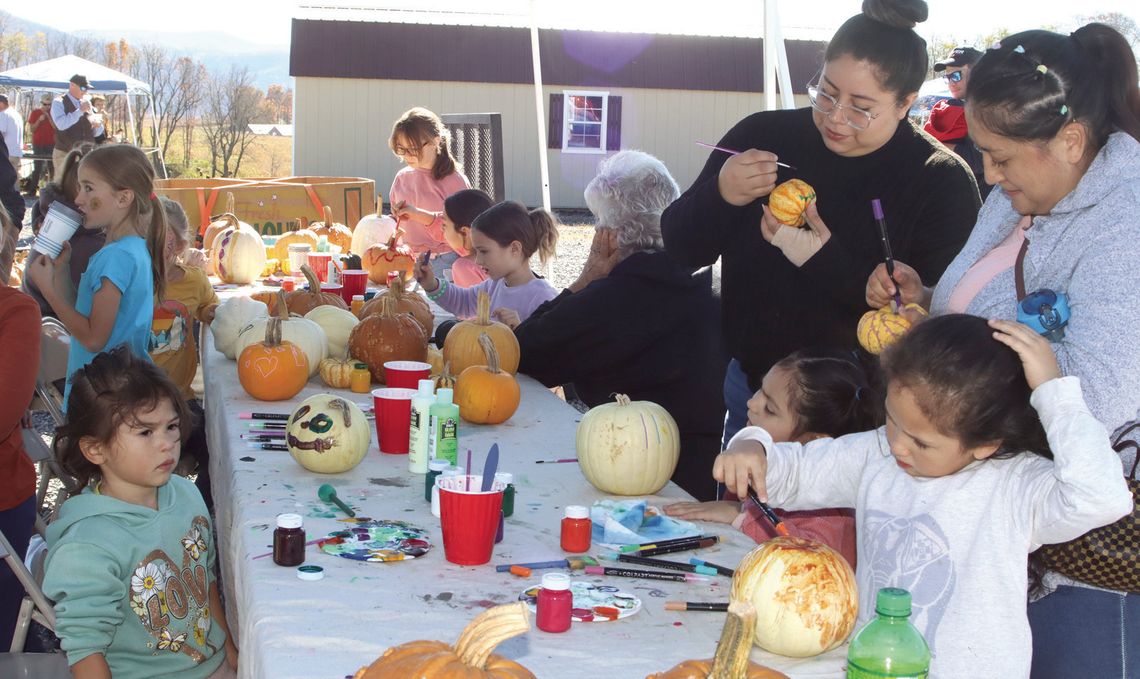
808, 395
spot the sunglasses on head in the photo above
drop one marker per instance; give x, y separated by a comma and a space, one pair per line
955, 77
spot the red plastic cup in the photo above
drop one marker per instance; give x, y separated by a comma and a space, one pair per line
405, 374
355, 282
393, 409
319, 263
469, 518
334, 288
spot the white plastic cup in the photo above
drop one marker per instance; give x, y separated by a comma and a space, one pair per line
60, 224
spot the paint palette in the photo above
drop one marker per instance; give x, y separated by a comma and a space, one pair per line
591, 603
376, 540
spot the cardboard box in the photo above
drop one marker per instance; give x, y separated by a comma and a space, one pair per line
273, 205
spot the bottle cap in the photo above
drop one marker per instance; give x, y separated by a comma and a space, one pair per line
310, 572
360, 366
577, 512
444, 395
505, 478
427, 387
358, 297
289, 521
556, 581
300, 247
438, 465
893, 601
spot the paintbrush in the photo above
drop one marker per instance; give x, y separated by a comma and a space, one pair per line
877, 210
696, 606
574, 563
732, 152
625, 549
767, 512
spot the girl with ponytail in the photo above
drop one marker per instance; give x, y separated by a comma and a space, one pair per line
114, 301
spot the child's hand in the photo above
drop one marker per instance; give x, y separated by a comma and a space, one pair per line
720, 512
42, 272
402, 210
744, 464
194, 258
1036, 355
425, 275
508, 317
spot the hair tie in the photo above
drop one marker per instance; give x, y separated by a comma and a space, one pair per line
152, 196
1042, 69
1019, 49
1064, 110
859, 393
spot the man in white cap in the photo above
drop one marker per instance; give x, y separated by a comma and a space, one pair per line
70, 113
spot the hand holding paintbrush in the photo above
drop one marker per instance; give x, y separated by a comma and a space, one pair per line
746, 175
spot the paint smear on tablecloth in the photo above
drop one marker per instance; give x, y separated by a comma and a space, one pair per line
396, 482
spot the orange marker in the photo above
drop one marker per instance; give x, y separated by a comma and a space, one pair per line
521, 571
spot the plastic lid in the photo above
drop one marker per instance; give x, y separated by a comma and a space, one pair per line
300, 247
358, 297
289, 521
310, 572
893, 601
577, 512
556, 581
438, 465
360, 366
504, 477
444, 395
427, 387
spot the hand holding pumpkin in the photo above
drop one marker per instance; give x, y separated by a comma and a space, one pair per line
747, 176
880, 289
798, 244
744, 464
508, 317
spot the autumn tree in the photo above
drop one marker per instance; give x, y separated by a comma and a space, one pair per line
1125, 25
231, 104
178, 86
278, 105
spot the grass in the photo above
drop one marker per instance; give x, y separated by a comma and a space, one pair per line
266, 157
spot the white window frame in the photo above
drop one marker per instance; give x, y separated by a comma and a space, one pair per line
567, 120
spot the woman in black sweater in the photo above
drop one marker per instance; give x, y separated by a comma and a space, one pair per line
785, 288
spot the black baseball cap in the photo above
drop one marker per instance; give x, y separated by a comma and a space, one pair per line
961, 56
81, 81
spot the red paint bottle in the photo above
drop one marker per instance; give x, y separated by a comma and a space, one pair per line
576, 527
554, 603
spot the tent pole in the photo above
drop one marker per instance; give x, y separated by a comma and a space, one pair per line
154, 127
539, 111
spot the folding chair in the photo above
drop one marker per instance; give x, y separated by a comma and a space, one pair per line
42, 456
34, 606
55, 342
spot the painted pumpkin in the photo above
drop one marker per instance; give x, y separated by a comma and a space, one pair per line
628, 447
789, 200
300, 331
300, 234
731, 660
230, 317
238, 255
484, 393
372, 229
387, 336
408, 302
328, 434
470, 657
301, 302
227, 220
381, 258
880, 328
336, 233
337, 324
804, 592
337, 372
462, 350
273, 370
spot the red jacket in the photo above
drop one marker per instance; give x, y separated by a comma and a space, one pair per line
947, 122
19, 363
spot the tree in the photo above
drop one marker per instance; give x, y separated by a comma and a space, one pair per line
278, 104
1125, 25
177, 85
231, 104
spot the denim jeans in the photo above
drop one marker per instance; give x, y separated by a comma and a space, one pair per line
1081, 632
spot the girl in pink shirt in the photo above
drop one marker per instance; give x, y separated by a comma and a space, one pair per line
459, 210
809, 394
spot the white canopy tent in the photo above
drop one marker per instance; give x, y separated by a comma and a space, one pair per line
54, 75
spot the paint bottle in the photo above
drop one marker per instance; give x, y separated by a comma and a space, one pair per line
499, 530
323, 244
435, 468
507, 479
450, 471
576, 527
419, 431
554, 603
289, 540
361, 381
444, 439
357, 304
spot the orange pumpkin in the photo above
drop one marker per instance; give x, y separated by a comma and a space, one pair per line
273, 370
731, 660
462, 350
298, 234
408, 302
301, 302
387, 336
471, 657
336, 233
381, 258
484, 393
789, 200
880, 328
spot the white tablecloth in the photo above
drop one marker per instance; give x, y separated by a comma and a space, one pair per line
286, 627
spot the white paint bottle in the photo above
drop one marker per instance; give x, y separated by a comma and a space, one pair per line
420, 430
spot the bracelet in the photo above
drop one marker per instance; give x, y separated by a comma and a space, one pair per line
433, 296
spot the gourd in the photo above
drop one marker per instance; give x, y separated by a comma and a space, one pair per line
628, 447
337, 324
387, 336
328, 434
409, 302
337, 372
230, 317
790, 200
238, 255
484, 393
225, 221
301, 234
445, 379
301, 302
300, 331
731, 660
273, 370
381, 258
804, 592
336, 233
462, 349
470, 658
372, 229
880, 328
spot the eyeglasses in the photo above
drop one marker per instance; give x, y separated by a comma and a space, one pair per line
955, 77
856, 117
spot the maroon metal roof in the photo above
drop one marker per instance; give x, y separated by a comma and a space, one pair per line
398, 51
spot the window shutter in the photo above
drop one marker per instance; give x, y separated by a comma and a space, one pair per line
554, 134
613, 124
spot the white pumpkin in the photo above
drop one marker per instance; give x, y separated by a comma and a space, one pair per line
628, 447
300, 331
230, 317
328, 434
238, 255
372, 229
337, 324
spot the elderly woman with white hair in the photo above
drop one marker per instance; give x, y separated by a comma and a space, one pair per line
635, 322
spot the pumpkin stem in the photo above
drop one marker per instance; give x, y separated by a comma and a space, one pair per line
490, 352
622, 399
273, 332
314, 282
396, 286
280, 308
229, 202
483, 309
489, 629
735, 645
387, 306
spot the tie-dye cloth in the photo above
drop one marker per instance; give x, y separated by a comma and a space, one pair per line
631, 522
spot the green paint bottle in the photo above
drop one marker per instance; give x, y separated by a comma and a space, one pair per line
444, 441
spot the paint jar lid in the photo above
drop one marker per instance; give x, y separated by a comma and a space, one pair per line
310, 572
427, 388
577, 512
555, 581
505, 478
438, 465
300, 247
289, 521
358, 297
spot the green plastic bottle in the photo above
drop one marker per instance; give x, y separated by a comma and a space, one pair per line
443, 440
889, 647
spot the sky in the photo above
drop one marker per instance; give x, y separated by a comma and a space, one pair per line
268, 21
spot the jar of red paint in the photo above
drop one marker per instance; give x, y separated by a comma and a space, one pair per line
554, 603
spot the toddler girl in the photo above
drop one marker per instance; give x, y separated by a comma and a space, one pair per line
459, 210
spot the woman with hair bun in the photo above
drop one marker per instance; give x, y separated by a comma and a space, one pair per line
786, 288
